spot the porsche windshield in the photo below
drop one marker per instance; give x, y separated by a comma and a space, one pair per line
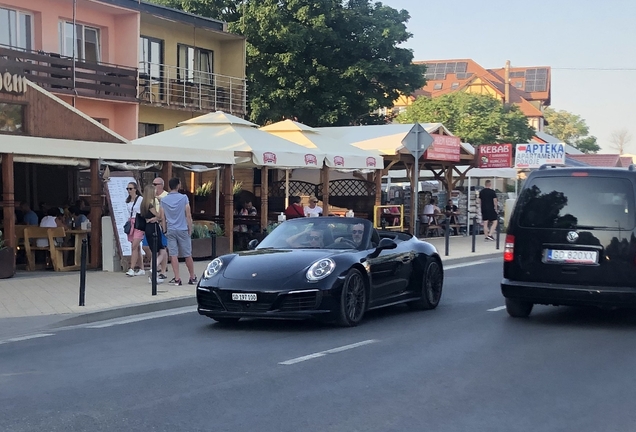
319, 233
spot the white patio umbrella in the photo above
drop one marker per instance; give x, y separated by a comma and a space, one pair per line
339, 153
221, 131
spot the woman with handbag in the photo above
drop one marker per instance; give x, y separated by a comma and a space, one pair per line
135, 234
149, 212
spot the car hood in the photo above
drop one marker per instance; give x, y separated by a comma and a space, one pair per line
273, 264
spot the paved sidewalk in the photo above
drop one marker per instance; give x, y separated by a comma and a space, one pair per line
56, 295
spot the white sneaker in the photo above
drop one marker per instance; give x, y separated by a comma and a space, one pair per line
130, 272
140, 272
158, 280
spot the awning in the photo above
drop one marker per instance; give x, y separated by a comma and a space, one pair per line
38, 150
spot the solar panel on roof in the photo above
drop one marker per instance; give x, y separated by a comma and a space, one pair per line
461, 67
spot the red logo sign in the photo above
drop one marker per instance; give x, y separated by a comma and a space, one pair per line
311, 159
370, 161
495, 155
338, 161
269, 157
444, 148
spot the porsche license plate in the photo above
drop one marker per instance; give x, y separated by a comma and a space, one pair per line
244, 297
571, 256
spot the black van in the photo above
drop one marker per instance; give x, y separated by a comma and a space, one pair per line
571, 240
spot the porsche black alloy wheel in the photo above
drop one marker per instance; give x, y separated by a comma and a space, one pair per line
225, 320
353, 300
432, 282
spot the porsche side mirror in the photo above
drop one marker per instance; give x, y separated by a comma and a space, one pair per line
386, 243
252, 244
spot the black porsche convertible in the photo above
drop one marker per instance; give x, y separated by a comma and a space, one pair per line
332, 268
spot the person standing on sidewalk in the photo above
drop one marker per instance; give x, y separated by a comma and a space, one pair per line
489, 205
176, 219
133, 205
160, 193
151, 214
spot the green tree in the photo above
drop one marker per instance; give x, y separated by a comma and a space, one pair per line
570, 128
588, 144
323, 62
476, 119
225, 10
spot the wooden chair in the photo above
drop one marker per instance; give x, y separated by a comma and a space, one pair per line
31, 234
57, 252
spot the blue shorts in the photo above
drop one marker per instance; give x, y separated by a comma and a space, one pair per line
164, 240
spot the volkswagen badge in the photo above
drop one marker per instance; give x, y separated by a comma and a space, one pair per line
573, 236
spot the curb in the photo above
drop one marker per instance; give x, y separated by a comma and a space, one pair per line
453, 261
125, 311
143, 308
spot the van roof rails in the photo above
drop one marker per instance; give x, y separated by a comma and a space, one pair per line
546, 166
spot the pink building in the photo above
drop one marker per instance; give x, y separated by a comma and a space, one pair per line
97, 73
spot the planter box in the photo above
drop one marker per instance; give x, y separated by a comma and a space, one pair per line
202, 248
7, 263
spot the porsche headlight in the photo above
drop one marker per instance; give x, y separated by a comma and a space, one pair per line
213, 268
320, 269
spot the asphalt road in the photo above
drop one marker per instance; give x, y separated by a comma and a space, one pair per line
458, 368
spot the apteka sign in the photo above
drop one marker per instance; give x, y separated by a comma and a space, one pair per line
535, 155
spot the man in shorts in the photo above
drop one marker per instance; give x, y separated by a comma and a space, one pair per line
176, 220
489, 204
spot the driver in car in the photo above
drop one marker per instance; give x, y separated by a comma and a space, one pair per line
357, 232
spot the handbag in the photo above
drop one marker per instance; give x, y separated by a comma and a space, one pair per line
140, 222
127, 225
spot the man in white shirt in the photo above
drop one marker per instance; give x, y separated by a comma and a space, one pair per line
313, 209
430, 209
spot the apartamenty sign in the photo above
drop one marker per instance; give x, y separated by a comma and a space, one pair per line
495, 155
535, 155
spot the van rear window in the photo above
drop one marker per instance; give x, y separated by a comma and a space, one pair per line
571, 202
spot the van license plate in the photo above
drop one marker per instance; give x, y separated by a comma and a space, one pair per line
572, 256
243, 297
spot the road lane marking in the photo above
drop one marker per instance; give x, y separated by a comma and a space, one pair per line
23, 338
468, 264
497, 309
144, 317
329, 351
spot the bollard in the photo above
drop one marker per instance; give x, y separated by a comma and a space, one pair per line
153, 258
498, 232
474, 231
82, 293
447, 236
213, 242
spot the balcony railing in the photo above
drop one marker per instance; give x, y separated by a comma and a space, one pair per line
55, 73
182, 88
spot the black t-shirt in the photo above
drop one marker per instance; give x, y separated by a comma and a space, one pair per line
486, 196
451, 208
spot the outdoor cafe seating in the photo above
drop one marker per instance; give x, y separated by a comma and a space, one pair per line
64, 245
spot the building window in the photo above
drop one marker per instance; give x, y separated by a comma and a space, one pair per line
146, 129
16, 29
438, 86
454, 86
195, 64
87, 46
11, 118
150, 57
519, 84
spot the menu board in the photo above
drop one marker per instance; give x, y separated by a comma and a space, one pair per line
117, 194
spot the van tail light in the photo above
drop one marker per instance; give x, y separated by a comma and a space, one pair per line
509, 248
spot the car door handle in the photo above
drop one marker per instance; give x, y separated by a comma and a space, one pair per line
406, 259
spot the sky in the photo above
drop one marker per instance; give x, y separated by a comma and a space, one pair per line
570, 36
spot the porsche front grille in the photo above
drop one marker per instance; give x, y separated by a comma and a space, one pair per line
300, 301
